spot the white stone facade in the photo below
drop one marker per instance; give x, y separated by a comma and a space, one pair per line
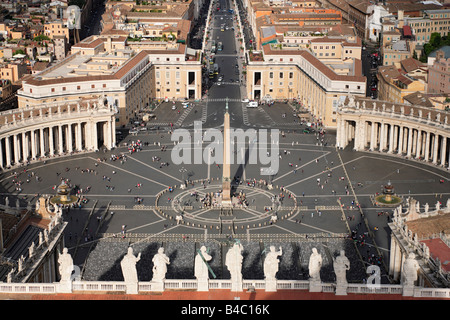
36, 133
415, 132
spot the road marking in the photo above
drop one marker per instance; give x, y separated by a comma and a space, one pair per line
132, 173
149, 166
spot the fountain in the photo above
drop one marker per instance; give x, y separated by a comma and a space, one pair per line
63, 195
388, 197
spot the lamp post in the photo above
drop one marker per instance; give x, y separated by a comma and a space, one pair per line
182, 171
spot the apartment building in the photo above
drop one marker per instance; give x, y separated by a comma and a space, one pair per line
394, 52
395, 83
283, 73
439, 74
327, 48
105, 66
56, 28
431, 21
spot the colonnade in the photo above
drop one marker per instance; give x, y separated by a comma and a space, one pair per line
58, 132
414, 133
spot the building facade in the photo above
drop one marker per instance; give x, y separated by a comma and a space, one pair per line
106, 67
297, 74
413, 132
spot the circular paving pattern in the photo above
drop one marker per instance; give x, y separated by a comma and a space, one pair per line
198, 204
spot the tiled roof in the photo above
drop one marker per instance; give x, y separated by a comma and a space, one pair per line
319, 65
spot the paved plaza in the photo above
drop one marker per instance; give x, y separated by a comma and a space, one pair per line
315, 193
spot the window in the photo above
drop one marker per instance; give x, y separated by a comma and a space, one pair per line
271, 75
92, 86
291, 75
78, 87
281, 75
64, 88
53, 89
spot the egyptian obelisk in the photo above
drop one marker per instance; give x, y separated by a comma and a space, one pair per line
226, 179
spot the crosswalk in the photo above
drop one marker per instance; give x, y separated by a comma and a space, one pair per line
204, 112
183, 116
268, 118
222, 100
229, 84
245, 115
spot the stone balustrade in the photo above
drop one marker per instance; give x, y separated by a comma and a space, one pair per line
145, 287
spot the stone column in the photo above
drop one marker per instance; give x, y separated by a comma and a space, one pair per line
94, 138
395, 259
414, 142
435, 148
113, 133
409, 143
33, 144
400, 140
427, 146
396, 128
448, 158
338, 133
391, 139
107, 135
443, 150
8, 151
24, 147
373, 138
419, 143
51, 144
16, 148
60, 140
69, 138
79, 129
41, 142
382, 136
2, 164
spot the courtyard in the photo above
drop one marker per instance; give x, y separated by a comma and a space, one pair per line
134, 194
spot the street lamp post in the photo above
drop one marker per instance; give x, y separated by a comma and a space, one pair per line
182, 171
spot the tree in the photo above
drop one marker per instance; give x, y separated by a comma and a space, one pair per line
435, 39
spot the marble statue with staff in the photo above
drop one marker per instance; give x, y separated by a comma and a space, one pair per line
233, 261
314, 266
271, 263
129, 271
341, 265
201, 269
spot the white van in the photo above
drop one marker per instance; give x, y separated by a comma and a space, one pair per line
252, 104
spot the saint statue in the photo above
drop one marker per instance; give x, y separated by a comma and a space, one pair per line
233, 261
438, 206
160, 262
65, 265
341, 264
410, 268
271, 263
128, 265
315, 263
201, 267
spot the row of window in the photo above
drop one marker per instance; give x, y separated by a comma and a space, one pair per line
281, 75
65, 88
